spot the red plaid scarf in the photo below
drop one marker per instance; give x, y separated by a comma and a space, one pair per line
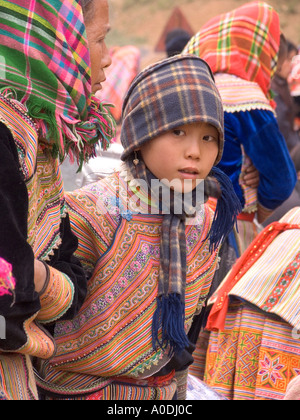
243, 42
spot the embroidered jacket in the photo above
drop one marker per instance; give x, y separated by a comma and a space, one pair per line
111, 338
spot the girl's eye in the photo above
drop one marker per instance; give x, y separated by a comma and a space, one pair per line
178, 132
209, 138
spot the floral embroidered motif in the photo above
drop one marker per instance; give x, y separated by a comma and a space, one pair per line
271, 370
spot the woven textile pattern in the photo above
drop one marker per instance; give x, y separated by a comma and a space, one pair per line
255, 358
50, 69
258, 353
111, 336
43, 179
16, 378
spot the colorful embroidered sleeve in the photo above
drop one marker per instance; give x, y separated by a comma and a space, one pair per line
56, 298
88, 225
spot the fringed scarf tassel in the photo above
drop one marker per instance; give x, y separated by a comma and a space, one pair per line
71, 137
227, 210
169, 317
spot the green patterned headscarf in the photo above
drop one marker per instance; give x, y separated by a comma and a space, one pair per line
45, 65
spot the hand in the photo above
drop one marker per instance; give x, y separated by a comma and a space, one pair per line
251, 176
40, 275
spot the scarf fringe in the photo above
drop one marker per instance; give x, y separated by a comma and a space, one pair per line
227, 210
71, 137
169, 316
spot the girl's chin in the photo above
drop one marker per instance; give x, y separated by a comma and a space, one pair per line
182, 185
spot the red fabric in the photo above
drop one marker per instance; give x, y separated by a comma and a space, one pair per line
247, 217
243, 42
217, 316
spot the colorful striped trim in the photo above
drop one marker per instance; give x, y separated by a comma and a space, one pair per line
16, 378
57, 298
273, 282
241, 95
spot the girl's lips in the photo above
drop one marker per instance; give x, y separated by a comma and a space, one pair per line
189, 173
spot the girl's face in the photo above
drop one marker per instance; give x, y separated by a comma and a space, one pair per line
183, 156
97, 27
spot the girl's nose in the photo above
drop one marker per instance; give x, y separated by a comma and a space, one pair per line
193, 150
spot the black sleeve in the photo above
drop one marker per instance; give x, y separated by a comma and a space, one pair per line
63, 260
13, 244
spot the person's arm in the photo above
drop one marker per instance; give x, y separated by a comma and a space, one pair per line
13, 245
64, 272
267, 149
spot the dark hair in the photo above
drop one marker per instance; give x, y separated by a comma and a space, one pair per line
283, 48
87, 7
291, 46
176, 40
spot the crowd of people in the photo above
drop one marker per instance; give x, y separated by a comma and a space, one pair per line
182, 266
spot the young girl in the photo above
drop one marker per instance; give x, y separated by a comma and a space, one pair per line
150, 271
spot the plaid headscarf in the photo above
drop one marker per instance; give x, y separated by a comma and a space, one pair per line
244, 42
165, 95
176, 91
45, 62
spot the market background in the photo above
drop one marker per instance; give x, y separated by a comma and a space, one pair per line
142, 22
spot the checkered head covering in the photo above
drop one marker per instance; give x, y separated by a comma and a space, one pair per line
243, 42
45, 64
173, 92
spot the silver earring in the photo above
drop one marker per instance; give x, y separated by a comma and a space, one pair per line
136, 160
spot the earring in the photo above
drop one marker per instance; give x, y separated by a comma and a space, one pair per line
136, 160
